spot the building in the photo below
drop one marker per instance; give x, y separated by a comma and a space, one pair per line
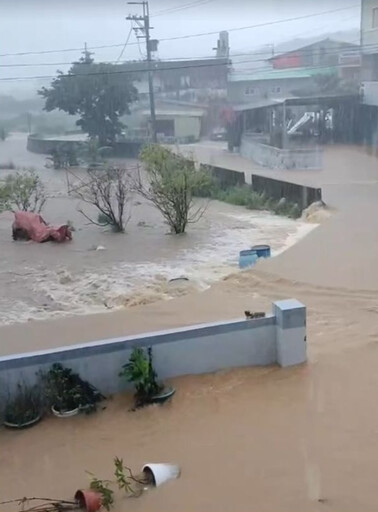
294, 73
369, 71
177, 123
342, 56
271, 83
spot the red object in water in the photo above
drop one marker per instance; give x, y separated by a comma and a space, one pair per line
31, 226
90, 500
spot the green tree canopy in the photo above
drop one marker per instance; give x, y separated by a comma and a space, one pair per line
97, 92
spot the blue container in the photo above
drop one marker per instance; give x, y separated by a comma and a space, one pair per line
247, 258
262, 251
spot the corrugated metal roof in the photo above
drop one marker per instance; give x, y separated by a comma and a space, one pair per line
176, 113
258, 103
281, 74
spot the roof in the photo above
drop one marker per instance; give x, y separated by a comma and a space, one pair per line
314, 43
330, 99
281, 74
175, 113
259, 103
161, 65
326, 100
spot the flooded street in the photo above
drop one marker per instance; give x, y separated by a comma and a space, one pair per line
40, 281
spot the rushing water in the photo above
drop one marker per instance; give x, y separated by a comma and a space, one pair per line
48, 280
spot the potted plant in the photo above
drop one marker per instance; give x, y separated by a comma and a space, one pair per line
67, 393
140, 371
24, 408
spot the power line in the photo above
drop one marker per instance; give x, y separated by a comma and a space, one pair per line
126, 43
335, 51
258, 25
265, 24
178, 8
122, 72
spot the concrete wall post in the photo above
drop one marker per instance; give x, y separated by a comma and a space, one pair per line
291, 332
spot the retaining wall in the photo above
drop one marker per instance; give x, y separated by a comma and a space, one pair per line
37, 144
277, 338
276, 189
275, 158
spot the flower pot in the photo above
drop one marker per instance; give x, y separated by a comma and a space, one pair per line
88, 499
163, 396
27, 424
65, 414
160, 472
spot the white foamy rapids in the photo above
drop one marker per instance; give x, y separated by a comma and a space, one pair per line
63, 292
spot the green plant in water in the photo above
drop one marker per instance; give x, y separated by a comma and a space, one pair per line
24, 406
66, 391
123, 481
139, 370
102, 487
22, 191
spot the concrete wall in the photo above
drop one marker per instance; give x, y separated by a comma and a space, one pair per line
370, 93
275, 158
369, 33
37, 144
240, 91
279, 337
187, 127
276, 189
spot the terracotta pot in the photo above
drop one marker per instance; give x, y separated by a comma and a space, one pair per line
90, 500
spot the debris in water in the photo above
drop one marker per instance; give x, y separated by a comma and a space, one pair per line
31, 226
250, 316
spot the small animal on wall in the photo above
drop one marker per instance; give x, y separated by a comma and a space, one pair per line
257, 314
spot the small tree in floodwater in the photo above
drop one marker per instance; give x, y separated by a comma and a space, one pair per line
170, 183
22, 191
108, 190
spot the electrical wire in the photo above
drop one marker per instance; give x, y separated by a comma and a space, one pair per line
209, 57
126, 43
145, 70
187, 36
181, 8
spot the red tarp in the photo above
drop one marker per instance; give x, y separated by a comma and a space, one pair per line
31, 226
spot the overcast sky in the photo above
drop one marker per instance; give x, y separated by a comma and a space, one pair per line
38, 25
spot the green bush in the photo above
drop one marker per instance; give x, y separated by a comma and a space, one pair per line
244, 195
23, 191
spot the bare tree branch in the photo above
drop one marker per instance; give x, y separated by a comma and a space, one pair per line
109, 191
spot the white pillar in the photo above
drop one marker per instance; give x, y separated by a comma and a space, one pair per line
290, 332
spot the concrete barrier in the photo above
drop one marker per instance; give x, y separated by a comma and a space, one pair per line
276, 158
40, 145
277, 338
276, 189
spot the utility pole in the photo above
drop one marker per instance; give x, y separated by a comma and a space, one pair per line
145, 30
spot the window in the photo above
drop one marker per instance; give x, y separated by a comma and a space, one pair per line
250, 91
375, 17
276, 89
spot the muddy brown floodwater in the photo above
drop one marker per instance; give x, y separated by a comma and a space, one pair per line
45, 281
303, 439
